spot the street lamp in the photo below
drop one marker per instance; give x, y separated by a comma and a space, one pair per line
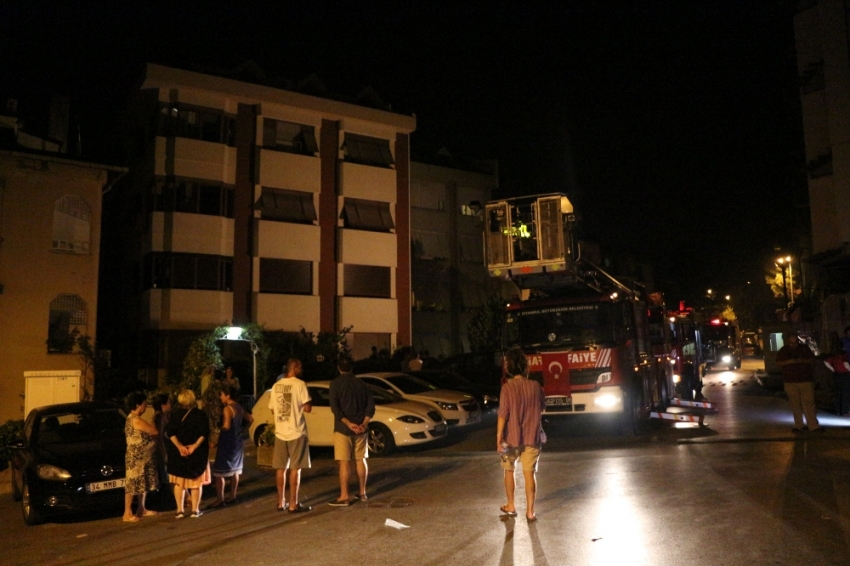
781, 264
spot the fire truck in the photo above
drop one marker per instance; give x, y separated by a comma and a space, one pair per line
595, 342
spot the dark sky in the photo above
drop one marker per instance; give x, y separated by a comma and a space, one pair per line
673, 126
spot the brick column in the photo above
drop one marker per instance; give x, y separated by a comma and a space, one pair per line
243, 214
402, 231
329, 152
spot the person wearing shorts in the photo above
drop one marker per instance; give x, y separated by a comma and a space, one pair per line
519, 431
353, 407
289, 401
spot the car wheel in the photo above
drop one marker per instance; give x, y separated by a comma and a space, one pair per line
381, 441
31, 514
16, 488
258, 436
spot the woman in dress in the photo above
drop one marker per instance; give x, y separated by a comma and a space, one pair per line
229, 454
141, 474
188, 453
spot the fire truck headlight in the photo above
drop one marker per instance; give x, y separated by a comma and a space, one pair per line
672, 362
604, 377
677, 378
726, 359
607, 400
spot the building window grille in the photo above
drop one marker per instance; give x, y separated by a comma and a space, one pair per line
290, 137
286, 206
68, 319
287, 276
366, 150
367, 281
370, 215
72, 225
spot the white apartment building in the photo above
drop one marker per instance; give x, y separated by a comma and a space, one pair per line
259, 205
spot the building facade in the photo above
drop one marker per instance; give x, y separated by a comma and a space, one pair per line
251, 204
50, 209
450, 278
823, 62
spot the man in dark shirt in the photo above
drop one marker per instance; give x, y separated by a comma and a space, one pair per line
353, 407
796, 361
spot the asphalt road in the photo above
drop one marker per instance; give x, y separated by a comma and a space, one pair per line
743, 490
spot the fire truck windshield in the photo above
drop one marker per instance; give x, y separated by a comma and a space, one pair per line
572, 326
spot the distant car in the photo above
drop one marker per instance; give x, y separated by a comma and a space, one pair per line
487, 397
397, 421
70, 459
456, 407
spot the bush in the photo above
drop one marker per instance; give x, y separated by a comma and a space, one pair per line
9, 432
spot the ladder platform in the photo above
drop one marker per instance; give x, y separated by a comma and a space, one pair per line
684, 416
708, 405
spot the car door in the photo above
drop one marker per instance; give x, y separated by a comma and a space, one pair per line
320, 420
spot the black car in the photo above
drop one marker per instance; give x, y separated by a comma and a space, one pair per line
71, 459
487, 396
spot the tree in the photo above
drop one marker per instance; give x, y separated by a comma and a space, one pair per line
485, 325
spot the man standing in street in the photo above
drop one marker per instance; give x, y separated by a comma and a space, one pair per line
519, 431
353, 407
289, 401
796, 361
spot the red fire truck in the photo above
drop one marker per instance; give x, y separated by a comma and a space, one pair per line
594, 341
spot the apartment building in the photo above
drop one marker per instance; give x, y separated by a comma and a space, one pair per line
450, 279
252, 204
50, 209
823, 62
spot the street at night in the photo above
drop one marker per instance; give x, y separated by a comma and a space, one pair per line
742, 490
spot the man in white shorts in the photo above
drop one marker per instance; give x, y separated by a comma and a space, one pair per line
289, 401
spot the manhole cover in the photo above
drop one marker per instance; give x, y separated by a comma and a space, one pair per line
394, 502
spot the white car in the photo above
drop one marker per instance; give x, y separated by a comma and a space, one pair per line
456, 407
397, 421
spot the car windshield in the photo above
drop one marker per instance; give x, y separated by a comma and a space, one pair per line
574, 326
80, 426
411, 385
382, 396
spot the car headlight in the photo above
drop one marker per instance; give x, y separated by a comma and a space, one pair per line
604, 377
490, 399
677, 378
446, 406
726, 359
53, 473
411, 419
606, 400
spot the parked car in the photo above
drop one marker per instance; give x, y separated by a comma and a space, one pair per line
487, 396
70, 459
457, 408
397, 421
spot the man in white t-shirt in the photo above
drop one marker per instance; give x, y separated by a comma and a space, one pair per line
289, 401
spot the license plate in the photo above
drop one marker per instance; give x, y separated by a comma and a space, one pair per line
104, 485
558, 401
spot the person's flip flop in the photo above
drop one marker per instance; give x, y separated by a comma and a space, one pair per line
149, 513
132, 519
506, 512
531, 519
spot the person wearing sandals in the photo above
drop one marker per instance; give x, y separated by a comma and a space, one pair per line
141, 476
229, 454
188, 453
289, 400
519, 432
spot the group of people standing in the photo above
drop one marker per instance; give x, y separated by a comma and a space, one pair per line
352, 406
175, 450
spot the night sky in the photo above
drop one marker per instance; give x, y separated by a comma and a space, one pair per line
673, 126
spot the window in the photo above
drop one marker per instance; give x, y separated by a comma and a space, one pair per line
427, 194
193, 197
286, 206
430, 245
289, 137
68, 318
205, 124
188, 271
367, 151
71, 225
367, 215
288, 276
367, 281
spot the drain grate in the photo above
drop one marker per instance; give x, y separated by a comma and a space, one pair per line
393, 502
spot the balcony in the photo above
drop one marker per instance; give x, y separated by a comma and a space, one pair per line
283, 170
285, 240
188, 308
287, 312
368, 315
368, 248
195, 159
367, 182
192, 233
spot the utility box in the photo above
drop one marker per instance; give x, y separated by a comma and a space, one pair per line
50, 388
